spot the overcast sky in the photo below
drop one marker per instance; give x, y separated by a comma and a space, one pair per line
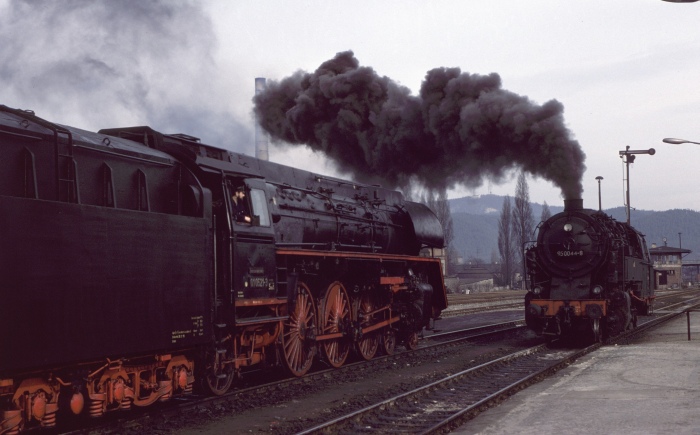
626, 71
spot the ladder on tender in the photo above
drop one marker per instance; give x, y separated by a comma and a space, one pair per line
66, 167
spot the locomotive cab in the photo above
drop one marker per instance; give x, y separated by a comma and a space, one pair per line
253, 243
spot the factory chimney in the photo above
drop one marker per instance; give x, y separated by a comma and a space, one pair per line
261, 138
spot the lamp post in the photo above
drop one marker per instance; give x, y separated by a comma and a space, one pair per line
629, 156
600, 203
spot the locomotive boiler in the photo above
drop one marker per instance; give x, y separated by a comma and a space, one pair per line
589, 276
127, 280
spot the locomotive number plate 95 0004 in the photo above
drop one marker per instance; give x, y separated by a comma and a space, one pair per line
570, 253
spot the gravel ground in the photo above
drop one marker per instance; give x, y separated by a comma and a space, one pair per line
287, 412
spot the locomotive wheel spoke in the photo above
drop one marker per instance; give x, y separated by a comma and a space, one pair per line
218, 376
298, 348
335, 318
367, 346
412, 341
389, 341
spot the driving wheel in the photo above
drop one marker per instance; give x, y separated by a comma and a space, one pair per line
335, 319
389, 341
369, 343
298, 338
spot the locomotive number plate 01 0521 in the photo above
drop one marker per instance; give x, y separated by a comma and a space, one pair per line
570, 253
258, 282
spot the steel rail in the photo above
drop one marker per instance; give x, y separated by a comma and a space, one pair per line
195, 401
490, 380
478, 331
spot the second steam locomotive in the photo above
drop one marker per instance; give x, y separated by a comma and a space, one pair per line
128, 275
589, 275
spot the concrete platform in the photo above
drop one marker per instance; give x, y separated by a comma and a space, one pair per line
651, 387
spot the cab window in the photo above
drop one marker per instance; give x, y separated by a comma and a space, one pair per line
257, 200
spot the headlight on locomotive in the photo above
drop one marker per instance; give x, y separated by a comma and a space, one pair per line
537, 290
568, 227
597, 290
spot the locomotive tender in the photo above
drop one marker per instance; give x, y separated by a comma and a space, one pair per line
588, 276
125, 277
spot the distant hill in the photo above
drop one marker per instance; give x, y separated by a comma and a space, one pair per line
475, 220
491, 204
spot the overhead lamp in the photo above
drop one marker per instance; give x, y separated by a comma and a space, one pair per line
675, 141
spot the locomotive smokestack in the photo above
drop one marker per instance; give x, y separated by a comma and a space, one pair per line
261, 138
573, 204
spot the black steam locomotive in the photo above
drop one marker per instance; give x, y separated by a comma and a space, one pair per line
589, 276
126, 276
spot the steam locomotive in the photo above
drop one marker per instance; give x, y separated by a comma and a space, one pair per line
126, 277
589, 276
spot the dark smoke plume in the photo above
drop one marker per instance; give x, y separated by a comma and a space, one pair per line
461, 128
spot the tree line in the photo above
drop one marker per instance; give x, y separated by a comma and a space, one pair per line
516, 225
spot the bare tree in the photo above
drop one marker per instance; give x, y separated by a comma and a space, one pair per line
546, 212
440, 205
453, 260
523, 219
505, 241
494, 257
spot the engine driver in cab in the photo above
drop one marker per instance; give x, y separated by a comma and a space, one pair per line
239, 206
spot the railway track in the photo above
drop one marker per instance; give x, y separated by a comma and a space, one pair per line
433, 347
480, 302
470, 304
458, 298
473, 333
240, 398
439, 406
